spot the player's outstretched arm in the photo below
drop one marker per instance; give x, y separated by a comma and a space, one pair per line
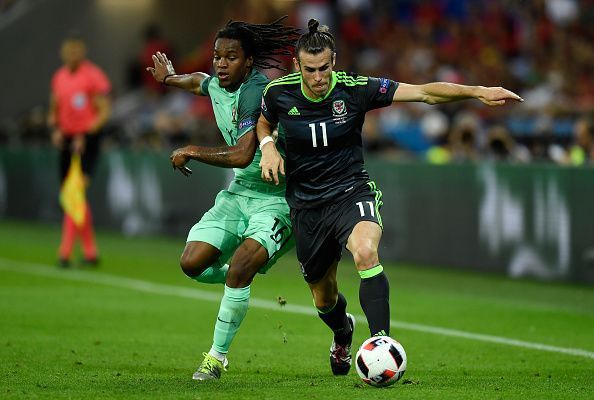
271, 162
443, 92
164, 72
237, 156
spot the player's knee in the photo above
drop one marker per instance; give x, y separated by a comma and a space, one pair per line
190, 266
365, 255
240, 275
246, 262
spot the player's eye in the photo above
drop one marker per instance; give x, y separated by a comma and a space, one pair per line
324, 68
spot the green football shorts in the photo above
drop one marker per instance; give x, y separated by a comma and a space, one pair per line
235, 218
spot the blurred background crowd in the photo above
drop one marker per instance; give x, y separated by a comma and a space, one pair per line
540, 49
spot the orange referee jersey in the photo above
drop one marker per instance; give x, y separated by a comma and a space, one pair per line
74, 92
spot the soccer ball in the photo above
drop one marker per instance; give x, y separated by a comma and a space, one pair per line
380, 361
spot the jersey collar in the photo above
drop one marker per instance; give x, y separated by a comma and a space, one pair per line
333, 81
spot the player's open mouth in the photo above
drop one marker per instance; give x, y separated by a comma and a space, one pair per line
223, 75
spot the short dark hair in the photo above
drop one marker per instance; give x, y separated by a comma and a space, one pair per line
316, 40
262, 41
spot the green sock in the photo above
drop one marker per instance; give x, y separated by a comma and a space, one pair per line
213, 274
234, 306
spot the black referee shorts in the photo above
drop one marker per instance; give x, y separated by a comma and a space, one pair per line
88, 158
322, 233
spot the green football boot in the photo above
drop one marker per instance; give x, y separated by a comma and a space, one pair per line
211, 368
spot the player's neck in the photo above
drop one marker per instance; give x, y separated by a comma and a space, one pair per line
310, 94
73, 67
235, 86
317, 97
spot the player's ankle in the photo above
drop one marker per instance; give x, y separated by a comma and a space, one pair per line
218, 355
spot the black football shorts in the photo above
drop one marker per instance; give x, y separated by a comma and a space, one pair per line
321, 233
89, 157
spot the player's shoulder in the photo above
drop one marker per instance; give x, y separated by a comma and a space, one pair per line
350, 79
284, 82
94, 72
256, 80
91, 67
252, 88
60, 73
208, 84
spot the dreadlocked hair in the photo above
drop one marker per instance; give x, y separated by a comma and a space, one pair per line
262, 41
316, 40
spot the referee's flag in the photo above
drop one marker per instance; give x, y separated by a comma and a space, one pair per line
72, 194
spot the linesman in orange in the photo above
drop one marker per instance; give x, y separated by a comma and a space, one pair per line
79, 108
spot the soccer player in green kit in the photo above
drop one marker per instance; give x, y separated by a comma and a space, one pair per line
249, 225
334, 203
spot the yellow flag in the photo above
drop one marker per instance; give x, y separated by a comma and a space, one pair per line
72, 194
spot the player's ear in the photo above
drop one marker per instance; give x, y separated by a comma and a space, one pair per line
333, 59
296, 63
249, 62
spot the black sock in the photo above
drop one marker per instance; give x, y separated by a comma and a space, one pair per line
374, 296
337, 320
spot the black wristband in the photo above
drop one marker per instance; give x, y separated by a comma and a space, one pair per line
164, 82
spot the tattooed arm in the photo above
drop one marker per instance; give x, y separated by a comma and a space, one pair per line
237, 156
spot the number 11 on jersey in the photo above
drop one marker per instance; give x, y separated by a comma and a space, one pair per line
362, 209
314, 138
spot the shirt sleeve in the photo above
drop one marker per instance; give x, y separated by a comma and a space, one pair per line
204, 86
248, 110
101, 84
379, 92
268, 106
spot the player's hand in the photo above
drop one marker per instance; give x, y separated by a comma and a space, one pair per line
496, 96
271, 163
162, 68
179, 159
57, 138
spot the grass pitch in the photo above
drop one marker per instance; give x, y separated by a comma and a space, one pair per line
136, 328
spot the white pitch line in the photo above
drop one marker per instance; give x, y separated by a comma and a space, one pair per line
172, 290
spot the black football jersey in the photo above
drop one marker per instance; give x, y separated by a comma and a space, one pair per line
323, 144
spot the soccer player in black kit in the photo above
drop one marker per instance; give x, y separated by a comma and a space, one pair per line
333, 201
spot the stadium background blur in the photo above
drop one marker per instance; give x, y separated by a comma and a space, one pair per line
503, 195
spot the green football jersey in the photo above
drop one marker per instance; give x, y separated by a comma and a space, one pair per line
237, 113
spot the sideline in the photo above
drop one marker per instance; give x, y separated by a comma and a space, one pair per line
172, 290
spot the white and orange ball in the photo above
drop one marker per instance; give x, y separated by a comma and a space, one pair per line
381, 361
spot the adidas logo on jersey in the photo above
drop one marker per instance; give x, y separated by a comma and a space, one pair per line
294, 111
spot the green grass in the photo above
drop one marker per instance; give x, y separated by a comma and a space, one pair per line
64, 336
